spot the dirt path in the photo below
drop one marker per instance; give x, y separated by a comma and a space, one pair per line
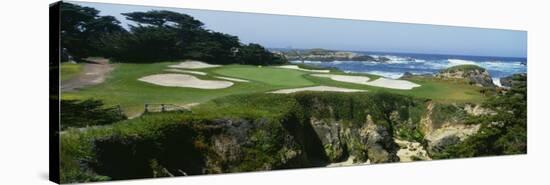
93, 72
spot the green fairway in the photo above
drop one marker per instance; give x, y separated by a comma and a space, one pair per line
123, 88
431, 88
275, 77
69, 71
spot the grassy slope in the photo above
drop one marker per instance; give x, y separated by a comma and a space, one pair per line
69, 71
274, 77
123, 88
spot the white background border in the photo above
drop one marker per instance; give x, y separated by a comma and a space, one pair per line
24, 86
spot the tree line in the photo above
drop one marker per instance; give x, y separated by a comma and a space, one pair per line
157, 35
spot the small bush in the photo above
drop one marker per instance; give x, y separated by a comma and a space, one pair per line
75, 113
465, 68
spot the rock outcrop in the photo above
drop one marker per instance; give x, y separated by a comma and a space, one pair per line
509, 80
443, 125
330, 135
475, 75
411, 151
316, 129
448, 135
329, 55
477, 110
370, 142
380, 145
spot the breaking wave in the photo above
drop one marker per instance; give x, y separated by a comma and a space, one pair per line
396, 66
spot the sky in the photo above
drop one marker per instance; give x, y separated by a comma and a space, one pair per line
280, 31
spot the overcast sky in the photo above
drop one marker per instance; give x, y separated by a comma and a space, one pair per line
277, 31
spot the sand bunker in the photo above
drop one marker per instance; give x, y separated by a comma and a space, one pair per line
363, 80
393, 84
183, 80
316, 88
231, 79
302, 69
192, 64
186, 71
345, 78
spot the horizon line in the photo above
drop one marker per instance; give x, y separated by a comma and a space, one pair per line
401, 52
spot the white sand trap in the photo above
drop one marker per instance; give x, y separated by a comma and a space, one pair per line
393, 84
183, 80
186, 71
231, 79
316, 88
302, 69
192, 64
345, 78
380, 82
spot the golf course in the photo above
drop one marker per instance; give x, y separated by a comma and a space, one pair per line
123, 87
157, 93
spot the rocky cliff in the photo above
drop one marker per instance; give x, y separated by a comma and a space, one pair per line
444, 125
509, 81
473, 74
315, 129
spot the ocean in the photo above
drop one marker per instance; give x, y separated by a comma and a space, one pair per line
400, 63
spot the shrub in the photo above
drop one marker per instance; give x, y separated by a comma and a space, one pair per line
75, 113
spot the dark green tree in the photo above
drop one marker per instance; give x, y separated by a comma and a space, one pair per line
81, 29
255, 54
166, 35
155, 36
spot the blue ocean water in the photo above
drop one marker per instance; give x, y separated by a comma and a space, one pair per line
400, 63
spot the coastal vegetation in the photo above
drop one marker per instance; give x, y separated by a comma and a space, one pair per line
257, 132
87, 113
464, 68
501, 133
156, 36
245, 125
